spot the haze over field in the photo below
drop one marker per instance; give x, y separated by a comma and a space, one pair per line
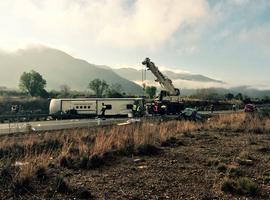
226, 40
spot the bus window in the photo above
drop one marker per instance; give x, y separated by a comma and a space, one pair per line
129, 106
108, 106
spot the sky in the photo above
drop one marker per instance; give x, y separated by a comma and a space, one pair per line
227, 40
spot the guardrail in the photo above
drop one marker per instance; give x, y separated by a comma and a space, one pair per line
36, 126
23, 117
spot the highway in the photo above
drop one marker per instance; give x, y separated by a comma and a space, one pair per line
25, 127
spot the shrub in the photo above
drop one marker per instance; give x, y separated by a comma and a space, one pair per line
236, 172
6, 175
66, 161
212, 162
95, 161
241, 186
83, 193
172, 142
148, 149
83, 162
41, 174
247, 186
222, 167
61, 186
188, 134
74, 151
22, 186
229, 186
264, 149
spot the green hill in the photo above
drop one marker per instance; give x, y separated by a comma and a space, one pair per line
57, 68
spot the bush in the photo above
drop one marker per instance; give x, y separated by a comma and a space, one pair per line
6, 175
95, 161
66, 161
83, 193
264, 149
188, 134
236, 172
229, 186
265, 113
213, 162
247, 186
22, 186
172, 142
61, 186
41, 174
148, 149
222, 167
241, 186
83, 162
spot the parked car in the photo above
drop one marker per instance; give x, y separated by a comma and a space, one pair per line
250, 108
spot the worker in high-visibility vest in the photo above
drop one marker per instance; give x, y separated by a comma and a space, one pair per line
134, 109
138, 110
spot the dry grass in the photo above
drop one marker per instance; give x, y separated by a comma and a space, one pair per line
244, 122
41, 150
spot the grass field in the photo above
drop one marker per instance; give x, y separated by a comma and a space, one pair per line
226, 157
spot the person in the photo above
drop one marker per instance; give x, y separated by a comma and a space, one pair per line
163, 109
103, 109
134, 109
155, 108
15, 108
234, 107
138, 111
212, 108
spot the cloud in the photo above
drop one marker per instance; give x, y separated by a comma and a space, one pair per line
161, 68
186, 84
239, 2
257, 36
119, 23
152, 23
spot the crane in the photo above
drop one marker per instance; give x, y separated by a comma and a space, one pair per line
171, 93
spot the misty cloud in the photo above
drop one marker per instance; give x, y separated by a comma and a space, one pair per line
186, 84
119, 22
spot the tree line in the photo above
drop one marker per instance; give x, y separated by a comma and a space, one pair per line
33, 84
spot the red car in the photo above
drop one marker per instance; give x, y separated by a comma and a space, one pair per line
250, 108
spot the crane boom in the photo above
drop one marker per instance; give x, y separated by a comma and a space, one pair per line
164, 81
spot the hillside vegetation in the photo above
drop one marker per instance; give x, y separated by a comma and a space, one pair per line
58, 68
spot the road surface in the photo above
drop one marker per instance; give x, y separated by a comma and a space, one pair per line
24, 127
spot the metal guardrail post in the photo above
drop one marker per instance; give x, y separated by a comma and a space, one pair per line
8, 126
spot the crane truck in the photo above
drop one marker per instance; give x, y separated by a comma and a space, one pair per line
169, 96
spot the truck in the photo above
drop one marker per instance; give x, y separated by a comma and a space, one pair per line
169, 95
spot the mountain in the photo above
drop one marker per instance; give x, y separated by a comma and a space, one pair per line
136, 75
244, 90
57, 68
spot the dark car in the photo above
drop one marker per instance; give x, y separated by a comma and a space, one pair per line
250, 108
190, 114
